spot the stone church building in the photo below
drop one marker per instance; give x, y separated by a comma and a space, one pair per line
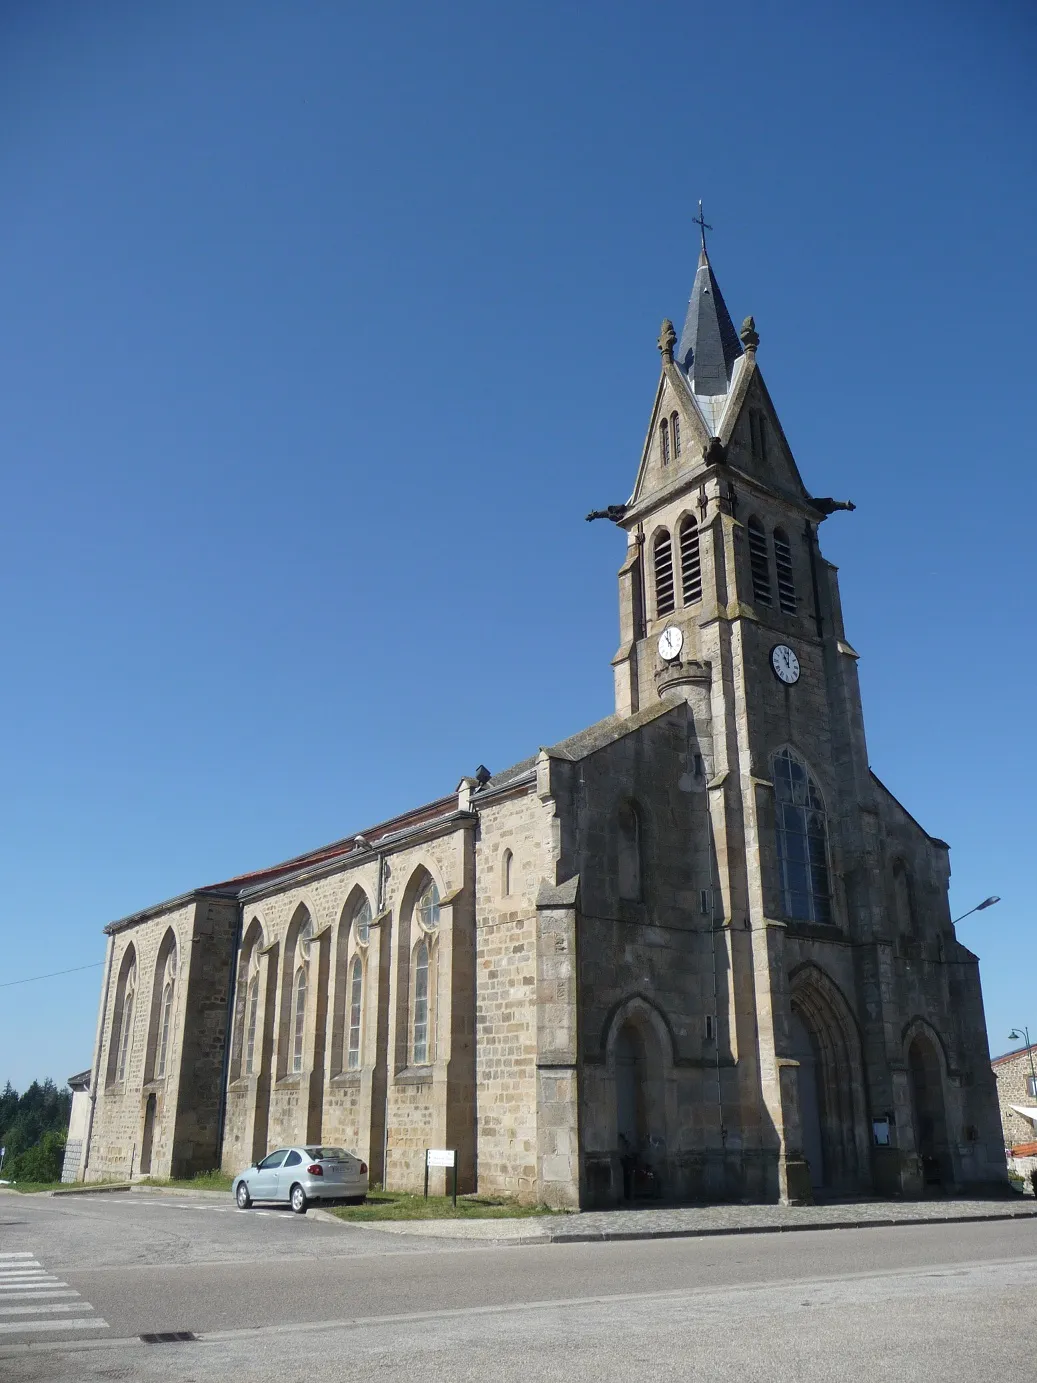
697, 951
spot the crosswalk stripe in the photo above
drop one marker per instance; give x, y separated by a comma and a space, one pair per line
87, 1323
27, 1280
45, 1310
5, 1256
20, 1266
46, 1294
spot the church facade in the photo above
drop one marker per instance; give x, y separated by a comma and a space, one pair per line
697, 951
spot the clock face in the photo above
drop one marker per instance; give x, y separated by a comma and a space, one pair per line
785, 664
671, 641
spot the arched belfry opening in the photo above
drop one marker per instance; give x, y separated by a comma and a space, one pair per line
929, 1111
830, 1085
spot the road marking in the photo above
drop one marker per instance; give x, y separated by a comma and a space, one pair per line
30, 1283
87, 1323
42, 1310
46, 1295
5, 1256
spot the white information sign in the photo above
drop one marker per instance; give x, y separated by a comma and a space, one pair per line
440, 1157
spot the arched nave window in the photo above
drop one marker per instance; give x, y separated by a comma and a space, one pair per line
165, 1019
675, 433
356, 991
799, 814
420, 1044
664, 442
122, 1025
251, 1013
300, 987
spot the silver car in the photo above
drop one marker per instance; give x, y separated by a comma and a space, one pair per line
303, 1174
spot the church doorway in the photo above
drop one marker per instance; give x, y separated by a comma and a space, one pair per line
147, 1142
931, 1142
823, 1039
804, 1051
640, 1111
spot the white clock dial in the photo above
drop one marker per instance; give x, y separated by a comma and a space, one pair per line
785, 664
671, 641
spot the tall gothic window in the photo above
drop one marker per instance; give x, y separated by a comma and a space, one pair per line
783, 565
664, 442
300, 986
802, 840
166, 1013
420, 1043
675, 433
299, 1018
251, 1020
759, 561
662, 561
356, 990
129, 995
691, 564
362, 922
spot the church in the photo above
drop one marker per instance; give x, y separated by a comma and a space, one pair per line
697, 951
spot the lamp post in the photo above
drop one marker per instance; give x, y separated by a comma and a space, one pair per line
986, 903
1025, 1035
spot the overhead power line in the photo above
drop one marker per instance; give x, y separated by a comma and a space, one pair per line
33, 978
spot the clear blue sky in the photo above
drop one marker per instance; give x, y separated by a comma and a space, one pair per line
324, 325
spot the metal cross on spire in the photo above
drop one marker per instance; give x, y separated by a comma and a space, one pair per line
702, 225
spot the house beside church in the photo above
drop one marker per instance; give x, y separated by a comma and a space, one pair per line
696, 951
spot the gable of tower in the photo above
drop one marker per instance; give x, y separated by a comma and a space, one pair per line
755, 439
676, 439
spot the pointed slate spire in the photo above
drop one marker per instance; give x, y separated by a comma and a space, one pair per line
709, 344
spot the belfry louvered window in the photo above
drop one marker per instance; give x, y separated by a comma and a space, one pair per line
662, 557
675, 433
691, 564
759, 562
664, 442
783, 565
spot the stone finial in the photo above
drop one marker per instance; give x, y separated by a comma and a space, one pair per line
667, 341
750, 336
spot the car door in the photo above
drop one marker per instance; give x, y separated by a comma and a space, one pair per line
288, 1174
262, 1184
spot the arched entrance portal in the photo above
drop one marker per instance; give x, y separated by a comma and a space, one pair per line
809, 1101
824, 1041
923, 1064
147, 1142
640, 1110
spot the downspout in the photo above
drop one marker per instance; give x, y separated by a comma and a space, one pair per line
95, 1076
232, 991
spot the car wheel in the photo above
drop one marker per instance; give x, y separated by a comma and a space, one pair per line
242, 1196
298, 1199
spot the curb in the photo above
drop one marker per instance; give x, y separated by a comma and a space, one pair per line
623, 1235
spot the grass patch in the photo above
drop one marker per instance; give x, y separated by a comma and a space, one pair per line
214, 1180
29, 1188
403, 1205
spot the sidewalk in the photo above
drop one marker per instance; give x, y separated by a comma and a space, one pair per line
679, 1222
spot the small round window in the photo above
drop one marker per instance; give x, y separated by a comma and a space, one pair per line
362, 922
428, 907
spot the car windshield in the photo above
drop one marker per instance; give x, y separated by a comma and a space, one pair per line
328, 1154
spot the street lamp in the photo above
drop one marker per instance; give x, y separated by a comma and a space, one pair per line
1025, 1035
986, 903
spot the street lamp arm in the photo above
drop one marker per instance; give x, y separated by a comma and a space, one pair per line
986, 903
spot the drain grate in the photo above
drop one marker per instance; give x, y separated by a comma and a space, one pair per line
168, 1337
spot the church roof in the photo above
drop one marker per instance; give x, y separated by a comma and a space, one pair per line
709, 345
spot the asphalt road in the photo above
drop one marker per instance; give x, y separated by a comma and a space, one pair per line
276, 1296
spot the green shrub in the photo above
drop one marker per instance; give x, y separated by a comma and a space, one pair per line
41, 1162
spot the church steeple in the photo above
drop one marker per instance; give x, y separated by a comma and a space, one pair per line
709, 345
